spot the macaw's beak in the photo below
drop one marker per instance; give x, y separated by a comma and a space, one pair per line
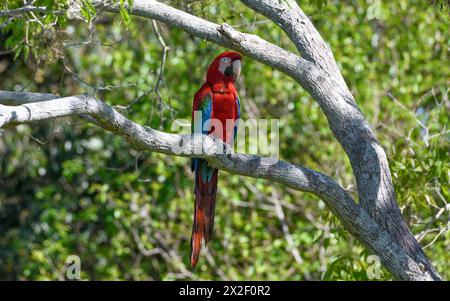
237, 65
234, 69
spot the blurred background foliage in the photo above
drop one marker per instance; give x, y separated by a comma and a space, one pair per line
67, 187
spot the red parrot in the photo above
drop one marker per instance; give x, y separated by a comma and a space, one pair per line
216, 102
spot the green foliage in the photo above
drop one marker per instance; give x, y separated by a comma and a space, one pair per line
70, 188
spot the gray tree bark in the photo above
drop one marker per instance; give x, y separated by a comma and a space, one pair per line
353, 217
376, 221
368, 159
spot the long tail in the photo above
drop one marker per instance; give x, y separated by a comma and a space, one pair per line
205, 202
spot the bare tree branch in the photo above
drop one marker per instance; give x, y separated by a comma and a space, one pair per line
291, 18
284, 226
317, 73
22, 10
377, 222
250, 45
353, 217
367, 157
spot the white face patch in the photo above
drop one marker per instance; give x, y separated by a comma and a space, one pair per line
225, 62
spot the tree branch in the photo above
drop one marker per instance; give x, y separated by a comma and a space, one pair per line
367, 157
317, 73
377, 222
248, 44
22, 10
296, 24
352, 216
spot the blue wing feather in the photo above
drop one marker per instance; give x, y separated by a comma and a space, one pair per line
201, 126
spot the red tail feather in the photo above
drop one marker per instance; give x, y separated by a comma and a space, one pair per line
205, 202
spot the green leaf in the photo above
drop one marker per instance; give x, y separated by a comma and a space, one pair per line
125, 16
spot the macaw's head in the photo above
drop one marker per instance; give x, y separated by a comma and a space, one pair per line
225, 67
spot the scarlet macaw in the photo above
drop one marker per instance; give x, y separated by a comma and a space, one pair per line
216, 101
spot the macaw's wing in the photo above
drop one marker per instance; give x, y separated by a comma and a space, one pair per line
201, 119
201, 114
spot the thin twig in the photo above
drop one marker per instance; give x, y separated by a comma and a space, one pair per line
159, 80
420, 123
22, 10
284, 226
142, 249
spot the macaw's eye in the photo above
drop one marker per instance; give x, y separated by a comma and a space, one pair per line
225, 59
